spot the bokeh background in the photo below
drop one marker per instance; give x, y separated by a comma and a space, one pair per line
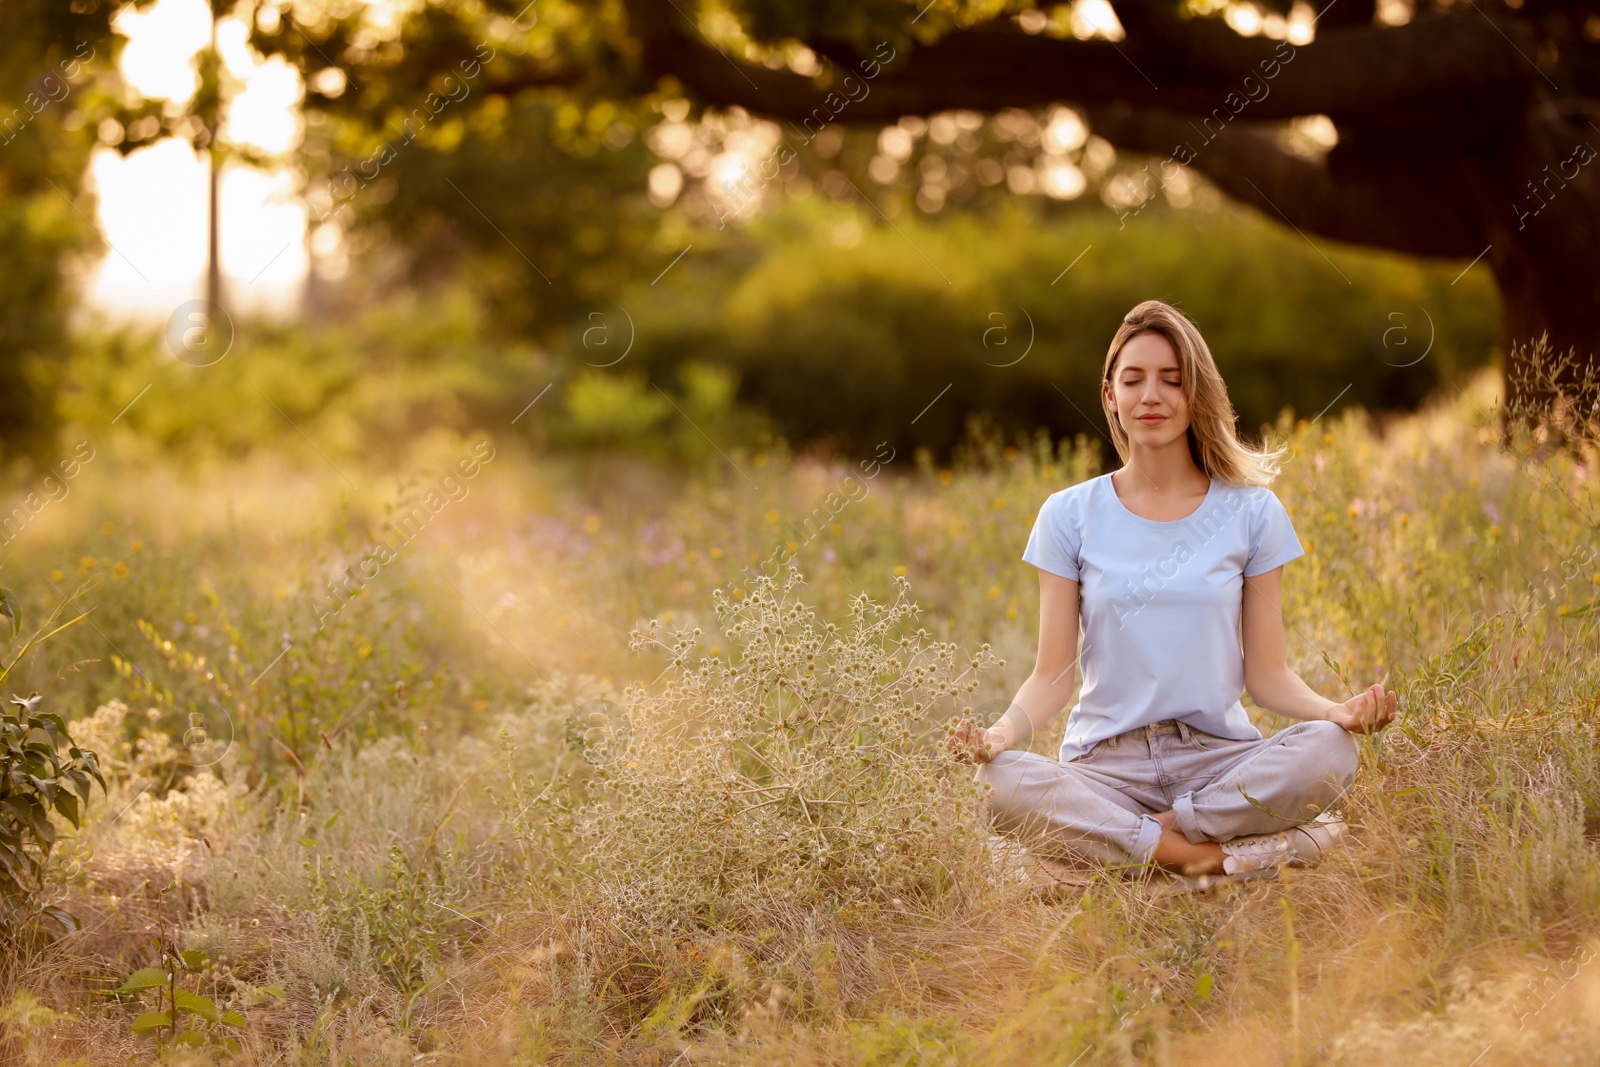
408, 411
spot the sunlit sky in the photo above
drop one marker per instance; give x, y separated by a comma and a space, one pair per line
152, 204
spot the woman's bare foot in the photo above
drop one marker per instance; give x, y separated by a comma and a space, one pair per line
1178, 852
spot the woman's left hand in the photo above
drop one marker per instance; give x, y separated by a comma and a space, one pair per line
1367, 712
971, 743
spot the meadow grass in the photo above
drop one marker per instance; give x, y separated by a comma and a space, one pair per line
574, 778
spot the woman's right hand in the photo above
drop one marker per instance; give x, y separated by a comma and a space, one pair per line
971, 743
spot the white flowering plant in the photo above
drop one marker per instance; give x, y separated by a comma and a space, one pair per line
807, 768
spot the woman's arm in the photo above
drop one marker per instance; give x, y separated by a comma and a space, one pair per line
1048, 688
1276, 688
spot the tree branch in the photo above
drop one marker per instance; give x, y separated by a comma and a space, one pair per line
1380, 200
1186, 66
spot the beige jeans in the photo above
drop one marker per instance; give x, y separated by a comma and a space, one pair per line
1102, 805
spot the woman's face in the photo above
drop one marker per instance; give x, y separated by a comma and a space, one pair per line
1146, 391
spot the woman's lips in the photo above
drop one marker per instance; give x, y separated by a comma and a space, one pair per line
1151, 420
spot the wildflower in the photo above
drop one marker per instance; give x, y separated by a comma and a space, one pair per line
58, 575
760, 459
994, 592
999, 503
946, 476
190, 617
716, 553
1011, 612
120, 569
86, 562
108, 527
137, 546
772, 516
591, 523
899, 570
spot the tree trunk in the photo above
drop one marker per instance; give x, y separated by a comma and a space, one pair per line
1544, 250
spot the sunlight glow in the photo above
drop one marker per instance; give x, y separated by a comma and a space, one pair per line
1094, 18
152, 204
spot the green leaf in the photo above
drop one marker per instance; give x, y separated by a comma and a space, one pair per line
67, 805
10, 612
194, 1002
1202, 986
194, 959
189, 1037
67, 920
151, 1020
232, 1018
144, 978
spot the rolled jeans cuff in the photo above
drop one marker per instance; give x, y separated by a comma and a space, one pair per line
1145, 842
1183, 808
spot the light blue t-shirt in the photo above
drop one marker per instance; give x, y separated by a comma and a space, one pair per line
1159, 604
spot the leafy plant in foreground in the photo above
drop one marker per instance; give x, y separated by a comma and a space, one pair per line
41, 771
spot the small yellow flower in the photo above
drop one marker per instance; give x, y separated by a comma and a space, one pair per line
1048, 471
994, 592
190, 617
999, 503
1327, 438
1354, 510
59, 575
364, 651
666, 616
755, 557
691, 556
137, 546
480, 705
1011, 613
86, 561
738, 594
760, 459
772, 516
591, 523
899, 569
946, 476
793, 546
836, 528
716, 650
120, 569
108, 527
716, 553
1494, 531
1405, 520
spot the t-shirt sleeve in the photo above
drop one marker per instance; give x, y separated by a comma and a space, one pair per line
1272, 538
1053, 544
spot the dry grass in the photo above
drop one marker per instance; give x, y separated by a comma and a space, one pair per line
739, 842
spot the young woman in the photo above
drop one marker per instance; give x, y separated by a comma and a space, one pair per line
1166, 561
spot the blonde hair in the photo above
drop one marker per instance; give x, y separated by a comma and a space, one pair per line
1213, 439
